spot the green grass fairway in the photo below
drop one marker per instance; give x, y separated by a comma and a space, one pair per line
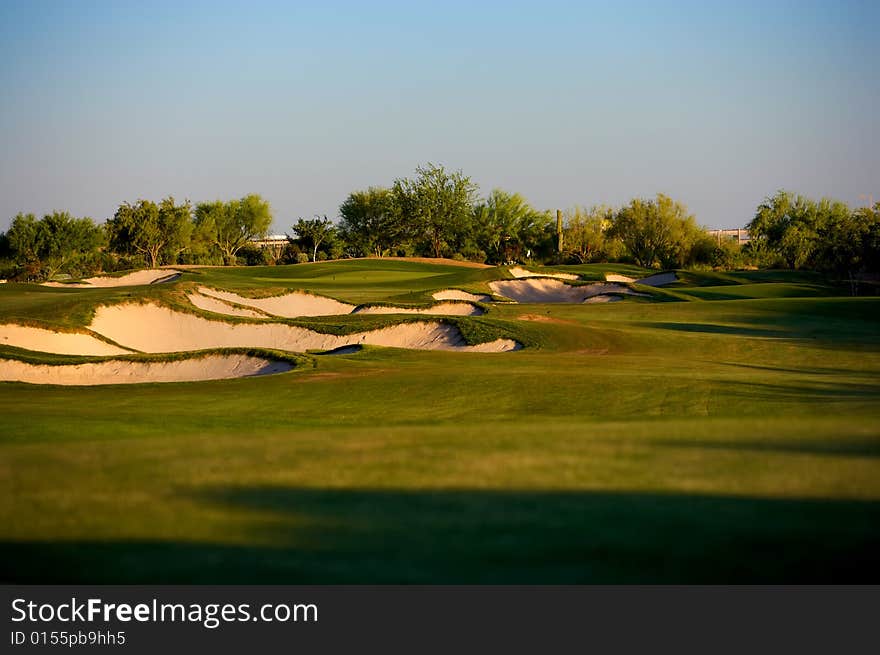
730, 433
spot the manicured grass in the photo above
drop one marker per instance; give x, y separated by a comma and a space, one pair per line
724, 437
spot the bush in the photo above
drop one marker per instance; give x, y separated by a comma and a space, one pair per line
302, 258
252, 255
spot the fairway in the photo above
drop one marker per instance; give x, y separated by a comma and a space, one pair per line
722, 429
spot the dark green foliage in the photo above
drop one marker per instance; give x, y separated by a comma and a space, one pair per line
315, 231
507, 229
657, 232
824, 235
159, 233
57, 243
228, 226
435, 209
369, 224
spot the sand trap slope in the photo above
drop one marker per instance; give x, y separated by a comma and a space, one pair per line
458, 294
519, 272
297, 304
138, 278
440, 309
218, 306
153, 329
290, 305
544, 290
211, 367
59, 343
657, 280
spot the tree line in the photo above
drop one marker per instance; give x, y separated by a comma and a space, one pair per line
439, 213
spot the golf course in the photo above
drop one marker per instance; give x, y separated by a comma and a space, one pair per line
431, 421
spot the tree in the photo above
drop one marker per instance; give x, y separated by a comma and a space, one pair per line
232, 224
64, 241
369, 221
435, 207
848, 242
585, 232
158, 232
24, 239
176, 222
786, 225
654, 231
315, 231
56, 243
506, 227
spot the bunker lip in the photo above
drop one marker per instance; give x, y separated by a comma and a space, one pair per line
297, 304
56, 342
136, 278
293, 304
153, 328
546, 290
458, 294
655, 280
209, 303
519, 273
127, 371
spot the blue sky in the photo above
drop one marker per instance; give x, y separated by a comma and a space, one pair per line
715, 103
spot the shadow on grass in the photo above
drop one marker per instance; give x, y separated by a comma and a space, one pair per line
711, 328
479, 536
804, 392
848, 448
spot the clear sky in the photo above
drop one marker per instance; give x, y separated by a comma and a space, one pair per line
715, 103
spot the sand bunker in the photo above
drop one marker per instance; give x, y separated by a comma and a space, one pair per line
298, 304
458, 294
290, 305
154, 329
60, 343
138, 278
441, 309
218, 306
544, 290
211, 367
657, 280
519, 272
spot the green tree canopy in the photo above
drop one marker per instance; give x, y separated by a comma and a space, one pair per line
506, 227
230, 225
585, 233
659, 231
370, 223
315, 231
158, 232
435, 208
54, 244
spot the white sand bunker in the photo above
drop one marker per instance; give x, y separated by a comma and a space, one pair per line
519, 272
657, 280
138, 278
60, 343
544, 290
151, 328
210, 367
298, 304
290, 305
458, 294
217, 306
440, 309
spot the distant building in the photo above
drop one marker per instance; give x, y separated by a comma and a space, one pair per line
740, 234
271, 241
